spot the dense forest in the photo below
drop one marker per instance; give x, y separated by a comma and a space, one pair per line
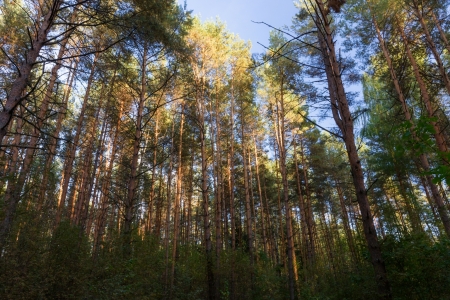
145, 154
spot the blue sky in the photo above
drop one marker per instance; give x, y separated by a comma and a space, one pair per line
239, 14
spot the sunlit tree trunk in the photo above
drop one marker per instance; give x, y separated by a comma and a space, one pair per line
258, 181
440, 140
68, 165
53, 144
423, 158
442, 33
18, 87
102, 214
82, 203
432, 45
280, 127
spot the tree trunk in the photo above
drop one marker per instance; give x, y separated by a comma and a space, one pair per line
347, 229
133, 179
176, 212
151, 199
422, 157
280, 127
440, 140
309, 215
303, 223
73, 148
104, 201
258, 181
54, 142
441, 31
432, 46
18, 87
343, 118
169, 207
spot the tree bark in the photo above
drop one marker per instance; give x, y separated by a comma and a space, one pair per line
440, 140
54, 142
280, 127
18, 87
305, 229
422, 157
104, 201
441, 31
432, 46
133, 179
176, 213
343, 118
68, 166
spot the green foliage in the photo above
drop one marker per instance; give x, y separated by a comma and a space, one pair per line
418, 268
67, 263
423, 131
37, 267
344, 283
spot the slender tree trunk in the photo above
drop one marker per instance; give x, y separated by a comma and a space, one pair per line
347, 229
151, 199
343, 118
231, 191
441, 31
292, 271
82, 204
104, 201
189, 199
159, 204
176, 212
87, 217
440, 140
248, 213
206, 223
281, 257
73, 148
200, 114
169, 206
423, 159
432, 46
310, 223
270, 231
252, 203
218, 192
133, 179
54, 142
303, 223
258, 181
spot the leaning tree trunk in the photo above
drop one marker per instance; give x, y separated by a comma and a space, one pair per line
343, 118
441, 31
18, 87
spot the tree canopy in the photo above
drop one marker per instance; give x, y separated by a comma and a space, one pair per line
145, 154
